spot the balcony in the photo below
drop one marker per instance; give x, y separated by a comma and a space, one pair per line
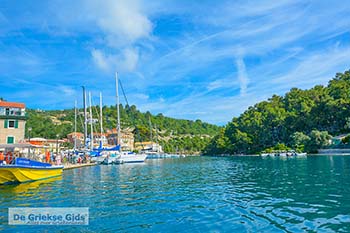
13, 115
12, 112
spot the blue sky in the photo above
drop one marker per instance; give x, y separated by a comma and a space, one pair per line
205, 60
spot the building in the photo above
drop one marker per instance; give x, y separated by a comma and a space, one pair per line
54, 145
12, 122
100, 138
41, 145
79, 138
148, 146
126, 139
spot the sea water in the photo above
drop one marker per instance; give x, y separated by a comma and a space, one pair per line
196, 194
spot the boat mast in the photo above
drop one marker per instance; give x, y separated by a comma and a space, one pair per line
91, 126
75, 126
155, 126
118, 112
150, 128
85, 113
101, 121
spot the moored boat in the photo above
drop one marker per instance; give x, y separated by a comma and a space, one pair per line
125, 156
25, 170
111, 158
130, 157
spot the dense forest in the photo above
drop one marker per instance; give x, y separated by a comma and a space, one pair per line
175, 135
301, 119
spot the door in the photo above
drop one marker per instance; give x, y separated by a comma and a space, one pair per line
10, 140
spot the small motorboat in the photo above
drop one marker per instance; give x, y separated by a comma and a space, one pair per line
111, 158
25, 170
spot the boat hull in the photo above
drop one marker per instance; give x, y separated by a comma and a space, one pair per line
110, 160
132, 158
99, 159
14, 173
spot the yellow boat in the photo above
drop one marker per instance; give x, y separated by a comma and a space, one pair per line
25, 170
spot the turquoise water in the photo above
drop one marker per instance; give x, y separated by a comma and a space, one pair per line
197, 194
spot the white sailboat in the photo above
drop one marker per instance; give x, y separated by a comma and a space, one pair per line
124, 156
101, 155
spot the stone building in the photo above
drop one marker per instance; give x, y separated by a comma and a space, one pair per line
79, 137
100, 138
12, 122
126, 139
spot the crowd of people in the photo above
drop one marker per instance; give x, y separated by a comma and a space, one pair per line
8, 157
63, 157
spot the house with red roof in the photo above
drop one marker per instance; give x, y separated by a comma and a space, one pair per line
12, 122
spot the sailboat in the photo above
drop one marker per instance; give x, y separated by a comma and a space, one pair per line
125, 156
100, 154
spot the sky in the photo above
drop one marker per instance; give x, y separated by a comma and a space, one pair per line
187, 59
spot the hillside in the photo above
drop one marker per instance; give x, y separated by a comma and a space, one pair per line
173, 134
301, 119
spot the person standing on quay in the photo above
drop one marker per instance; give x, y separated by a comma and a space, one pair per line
48, 156
2, 158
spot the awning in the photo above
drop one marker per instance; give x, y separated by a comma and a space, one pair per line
16, 145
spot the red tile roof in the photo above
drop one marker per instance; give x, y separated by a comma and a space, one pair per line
76, 133
12, 104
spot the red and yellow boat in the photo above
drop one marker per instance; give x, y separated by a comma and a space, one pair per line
25, 170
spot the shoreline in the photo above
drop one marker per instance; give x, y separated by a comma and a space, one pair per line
256, 155
335, 154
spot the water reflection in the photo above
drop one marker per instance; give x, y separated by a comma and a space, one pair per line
27, 189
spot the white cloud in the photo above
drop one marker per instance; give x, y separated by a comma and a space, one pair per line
126, 60
315, 68
66, 90
122, 21
131, 57
124, 24
228, 82
242, 75
189, 65
216, 84
100, 59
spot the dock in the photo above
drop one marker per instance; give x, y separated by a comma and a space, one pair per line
79, 165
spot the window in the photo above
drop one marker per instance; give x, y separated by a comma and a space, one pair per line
10, 140
11, 124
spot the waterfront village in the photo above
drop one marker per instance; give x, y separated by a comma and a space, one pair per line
13, 142
56, 151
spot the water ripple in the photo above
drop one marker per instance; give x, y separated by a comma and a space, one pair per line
243, 194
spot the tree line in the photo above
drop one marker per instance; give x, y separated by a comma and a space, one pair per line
301, 119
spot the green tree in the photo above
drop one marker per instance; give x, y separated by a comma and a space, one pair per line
293, 119
299, 140
318, 139
189, 134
